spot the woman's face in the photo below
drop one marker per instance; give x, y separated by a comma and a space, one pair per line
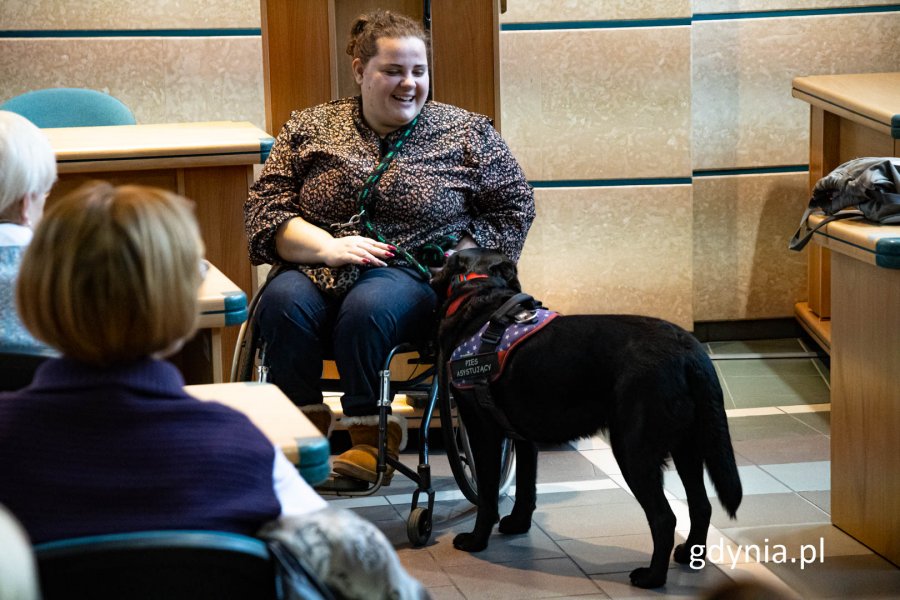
394, 83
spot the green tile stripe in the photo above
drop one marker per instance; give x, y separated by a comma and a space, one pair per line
803, 12
536, 26
586, 183
664, 181
611, 24
751, 171
93, 33
697, 17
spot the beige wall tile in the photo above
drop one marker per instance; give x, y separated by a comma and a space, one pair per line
721, 6
602, 103
742, 267
128, 14
212, 79
161, 80
530, 11
131, 69
612, 250
743, 112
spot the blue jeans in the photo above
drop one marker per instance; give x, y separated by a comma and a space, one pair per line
300, 327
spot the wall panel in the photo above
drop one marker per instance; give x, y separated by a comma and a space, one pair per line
612, 250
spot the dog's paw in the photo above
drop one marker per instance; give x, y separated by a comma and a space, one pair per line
644, 577
469, 542
683, 556
511, 524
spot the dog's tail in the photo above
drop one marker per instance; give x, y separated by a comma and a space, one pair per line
718, 453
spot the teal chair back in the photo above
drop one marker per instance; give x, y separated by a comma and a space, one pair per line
70, 107
157, 564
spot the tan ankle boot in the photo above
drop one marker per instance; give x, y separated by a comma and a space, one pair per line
360, 461
321, 416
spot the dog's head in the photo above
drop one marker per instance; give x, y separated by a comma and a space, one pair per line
473, 262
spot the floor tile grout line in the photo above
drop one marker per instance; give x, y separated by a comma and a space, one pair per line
822, 375
725, 387
682, 505
761, 356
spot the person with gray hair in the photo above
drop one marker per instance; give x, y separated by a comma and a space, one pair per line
18, 574
27, 172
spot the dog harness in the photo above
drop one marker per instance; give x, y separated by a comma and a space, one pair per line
480, 360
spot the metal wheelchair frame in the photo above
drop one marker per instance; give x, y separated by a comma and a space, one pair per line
249, 359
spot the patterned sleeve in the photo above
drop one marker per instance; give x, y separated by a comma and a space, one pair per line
504, 205
273, 197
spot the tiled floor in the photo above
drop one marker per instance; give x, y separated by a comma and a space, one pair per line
589, 532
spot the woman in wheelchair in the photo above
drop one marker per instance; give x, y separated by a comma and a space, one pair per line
358, 242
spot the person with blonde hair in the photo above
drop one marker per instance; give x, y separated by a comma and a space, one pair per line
106, 440
27, 172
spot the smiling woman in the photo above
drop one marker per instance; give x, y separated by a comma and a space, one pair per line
355, 197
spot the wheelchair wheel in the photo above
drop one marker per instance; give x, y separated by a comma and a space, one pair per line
459, 454
418, 526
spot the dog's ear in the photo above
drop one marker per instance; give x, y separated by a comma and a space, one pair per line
496, 264
452, 267
506, 270
477, 260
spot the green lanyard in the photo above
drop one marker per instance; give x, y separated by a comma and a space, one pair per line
364, 197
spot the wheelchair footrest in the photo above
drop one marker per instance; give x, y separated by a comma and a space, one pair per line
336, 483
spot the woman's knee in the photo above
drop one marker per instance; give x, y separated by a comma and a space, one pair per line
291, 302
387, 297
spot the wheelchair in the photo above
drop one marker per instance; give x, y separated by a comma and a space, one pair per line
249, 364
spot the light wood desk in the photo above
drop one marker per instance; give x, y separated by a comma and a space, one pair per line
865, 381
210, 163
222, 304
282, 422
850, 116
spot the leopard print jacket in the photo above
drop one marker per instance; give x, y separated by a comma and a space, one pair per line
454, 175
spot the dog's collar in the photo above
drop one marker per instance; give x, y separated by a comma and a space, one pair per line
462, 278
458, 280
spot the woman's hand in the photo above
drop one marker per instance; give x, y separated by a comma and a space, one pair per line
356, 249
301, 242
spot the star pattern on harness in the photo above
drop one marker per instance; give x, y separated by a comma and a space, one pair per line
512, 334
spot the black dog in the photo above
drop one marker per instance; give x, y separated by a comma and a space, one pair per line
647, 381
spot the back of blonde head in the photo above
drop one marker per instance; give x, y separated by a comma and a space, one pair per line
112, 274
27, 162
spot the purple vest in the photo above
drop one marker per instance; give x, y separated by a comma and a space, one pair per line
467, 364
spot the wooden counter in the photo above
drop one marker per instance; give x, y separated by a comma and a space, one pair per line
865, 381
282, 422
222, 304
850, 116
210, 163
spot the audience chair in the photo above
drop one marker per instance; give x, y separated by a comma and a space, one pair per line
70, 107
174, 565
17, 370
